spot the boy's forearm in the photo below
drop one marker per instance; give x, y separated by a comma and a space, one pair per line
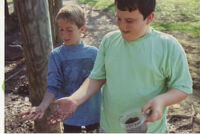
171, 97
87, 89
47, 99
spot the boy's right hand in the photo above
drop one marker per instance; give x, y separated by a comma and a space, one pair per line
66, 106
33, 113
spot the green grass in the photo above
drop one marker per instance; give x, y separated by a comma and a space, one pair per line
9, 1
170, 15
178, 15
3, 86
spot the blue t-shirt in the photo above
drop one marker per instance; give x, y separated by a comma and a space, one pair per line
68, 67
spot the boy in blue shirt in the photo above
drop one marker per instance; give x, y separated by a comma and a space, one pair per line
69, 65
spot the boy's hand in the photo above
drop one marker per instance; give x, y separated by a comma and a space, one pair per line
66, 107
155, 108
33, 113
157, 104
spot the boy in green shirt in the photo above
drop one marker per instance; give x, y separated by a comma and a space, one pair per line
139, 67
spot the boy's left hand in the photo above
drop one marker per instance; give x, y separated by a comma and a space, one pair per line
155, 107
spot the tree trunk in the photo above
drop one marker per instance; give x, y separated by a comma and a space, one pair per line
7, 15
35, 29
54, 7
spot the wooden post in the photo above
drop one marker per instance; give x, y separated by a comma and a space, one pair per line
33, 16
54, 7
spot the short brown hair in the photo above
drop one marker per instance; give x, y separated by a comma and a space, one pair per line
73, 13
146, 7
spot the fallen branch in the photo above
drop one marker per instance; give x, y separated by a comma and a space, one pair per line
179, 116
185, 126
14, 74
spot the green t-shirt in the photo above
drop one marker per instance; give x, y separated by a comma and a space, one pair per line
137, 71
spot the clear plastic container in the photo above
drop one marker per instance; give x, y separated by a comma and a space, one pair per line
133, 121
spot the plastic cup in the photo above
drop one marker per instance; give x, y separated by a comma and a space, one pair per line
133, 121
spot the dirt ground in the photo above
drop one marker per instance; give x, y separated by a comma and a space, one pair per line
183, 117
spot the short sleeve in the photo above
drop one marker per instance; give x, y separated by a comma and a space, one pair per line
177, 68
98, 71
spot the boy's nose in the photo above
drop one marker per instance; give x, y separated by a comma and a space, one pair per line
123, 26
64, 34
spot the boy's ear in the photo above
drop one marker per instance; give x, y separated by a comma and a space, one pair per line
83, 28
150, 18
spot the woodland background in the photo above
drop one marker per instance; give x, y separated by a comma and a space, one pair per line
26, 60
